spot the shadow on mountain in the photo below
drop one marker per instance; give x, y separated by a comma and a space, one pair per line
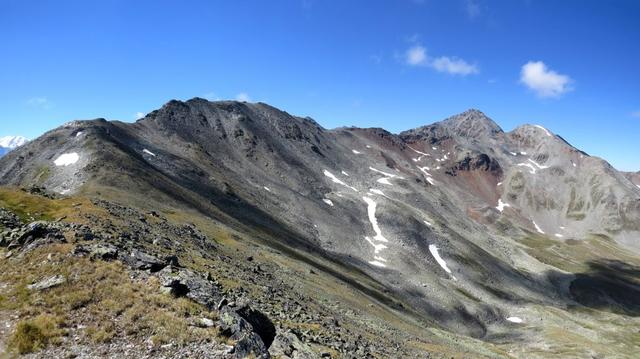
609, 285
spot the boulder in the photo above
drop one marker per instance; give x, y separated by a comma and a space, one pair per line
182, 282
288, 345
47, 283
142, 261
247, 342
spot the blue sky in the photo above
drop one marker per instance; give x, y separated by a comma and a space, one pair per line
571, 66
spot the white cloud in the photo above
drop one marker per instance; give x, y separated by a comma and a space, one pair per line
139, 115
543, 81
417, 56
472, 8
41, 102
243, 96
454, 65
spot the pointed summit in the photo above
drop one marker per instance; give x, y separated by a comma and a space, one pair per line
471, 123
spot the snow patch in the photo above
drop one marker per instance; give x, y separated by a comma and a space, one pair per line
336, 180
434, 148
515, 320
532, 169
499, 184
371, 212
345, 173
428, 223
266, 189
148, 152
537, 227
67, 159
537, 165
434, 252
559, 235
356, 152
377, 191
384, 180
376, 247
544, 129
328, 201
377, 264
385, 173
79, 134
419, 152
502, 205
431, 181
368, 146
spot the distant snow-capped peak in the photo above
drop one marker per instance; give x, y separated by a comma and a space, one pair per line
12, 142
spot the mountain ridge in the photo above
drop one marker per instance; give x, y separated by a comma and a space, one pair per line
462, 223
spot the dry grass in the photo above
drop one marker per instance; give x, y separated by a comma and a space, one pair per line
97, 295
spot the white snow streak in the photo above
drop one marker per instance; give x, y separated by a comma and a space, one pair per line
148, 152
336, 180
532, 169
368, 146
419, 152
499, 184
376, 247
385, 173
79, 134
356, 152
67, 159
267, 188
428, 223
371, 211
377, 264
345, 173
434, 252
537, 228
376, 191
384, 180
537, 165
328, 201
559, 235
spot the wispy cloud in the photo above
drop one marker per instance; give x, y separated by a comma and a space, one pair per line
544, 81
243, 96
211, 96
472, 9
139, 115
417, 55
41, 102
635, 114
454, 65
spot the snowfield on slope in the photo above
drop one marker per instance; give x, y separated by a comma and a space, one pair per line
436, 254
337, 180
67, 159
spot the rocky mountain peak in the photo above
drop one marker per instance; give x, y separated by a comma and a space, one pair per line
471, 123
